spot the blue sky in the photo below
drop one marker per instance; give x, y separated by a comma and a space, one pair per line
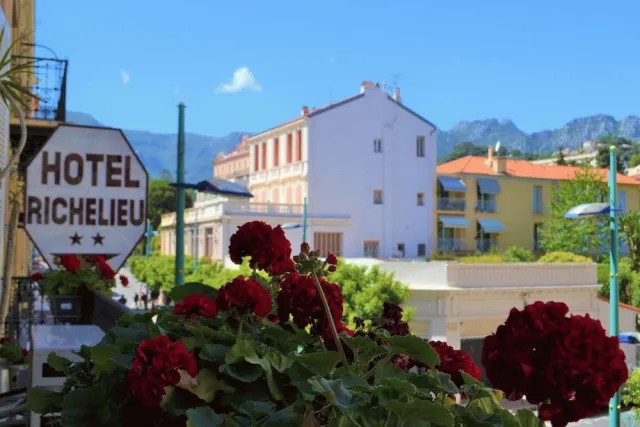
539, 63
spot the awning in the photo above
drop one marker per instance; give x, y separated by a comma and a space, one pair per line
453, 221
489, 186
451, 183
491, 225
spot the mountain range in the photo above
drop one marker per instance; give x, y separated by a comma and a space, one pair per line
158, 151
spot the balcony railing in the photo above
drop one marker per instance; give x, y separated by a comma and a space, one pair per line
486, 245
451, 244
486, 205
449, 204
280, 172
47, 79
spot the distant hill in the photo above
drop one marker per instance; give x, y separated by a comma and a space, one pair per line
571, 135
158, 151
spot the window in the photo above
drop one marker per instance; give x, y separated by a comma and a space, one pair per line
256, 158
276, 152
401, 249
299, 146
422, 250
537, 247
537, 199
290, 148
264, 155
377, 197
420, 146
420, 199
370, 249
328, 242
377, 145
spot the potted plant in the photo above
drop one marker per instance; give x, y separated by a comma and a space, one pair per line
13, 358
276, 352
70, 287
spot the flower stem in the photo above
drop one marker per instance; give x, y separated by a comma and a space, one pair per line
332, 325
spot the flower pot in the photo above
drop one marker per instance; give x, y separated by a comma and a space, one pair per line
66, 308
13, 377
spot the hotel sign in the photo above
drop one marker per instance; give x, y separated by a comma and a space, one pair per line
86, 194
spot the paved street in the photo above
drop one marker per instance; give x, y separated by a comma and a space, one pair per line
135, 286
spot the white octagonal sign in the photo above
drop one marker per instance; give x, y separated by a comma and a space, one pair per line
86, 194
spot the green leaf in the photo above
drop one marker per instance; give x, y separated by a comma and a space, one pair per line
387, 370
256, 409
278, 361
129, 334
245, 372
43, 400
414, 347
178, 293
394, 389
468, 379
355, 382
58, 363
337, 394
208, 385
214, 352
444, 382
526, 418
242, 349
287, 417
422, 410
321, 363
204, 417
268, 372
358, 343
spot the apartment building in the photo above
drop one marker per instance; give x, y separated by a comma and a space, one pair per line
364, 165
494, 202
233, 165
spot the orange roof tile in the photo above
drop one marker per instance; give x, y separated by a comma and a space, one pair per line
476, 165
622, 305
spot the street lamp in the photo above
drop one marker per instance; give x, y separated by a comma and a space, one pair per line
43, 47
304, 222
594, 209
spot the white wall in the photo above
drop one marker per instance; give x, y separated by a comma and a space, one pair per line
627, 317
344, 171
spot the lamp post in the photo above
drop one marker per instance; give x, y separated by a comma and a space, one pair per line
304, 222
195, 241
592, 209
180, 199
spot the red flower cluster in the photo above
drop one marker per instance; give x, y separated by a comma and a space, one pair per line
245, 294
124, 280
391, 320
71, 263
267, 246
5, 340
156, 365
196, 305
567, 364
299, 298
36, 277
453, 361
24, 352
105, 270
332, 261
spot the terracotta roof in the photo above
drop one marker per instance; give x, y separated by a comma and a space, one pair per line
622, 305
475, 165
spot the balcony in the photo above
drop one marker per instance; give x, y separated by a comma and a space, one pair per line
486, 245
217, 210
449, 204
278, 173
451, 244
486, 206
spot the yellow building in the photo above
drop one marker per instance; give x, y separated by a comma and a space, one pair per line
493, 202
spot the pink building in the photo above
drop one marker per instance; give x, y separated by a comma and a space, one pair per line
234, 165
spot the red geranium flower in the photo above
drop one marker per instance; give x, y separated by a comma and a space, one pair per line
24, 352
197, 305
36, 277
567, 364
245, 294
124, 280
105, 271
299, 299
156, 364
5, 340
453, 361
331, 259
267, 247
71, 263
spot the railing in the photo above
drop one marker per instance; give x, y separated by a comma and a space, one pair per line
450, 244
280, 172
20, 317
486, 245
217, 210
449, 204
48, 81
107, 311
486, 205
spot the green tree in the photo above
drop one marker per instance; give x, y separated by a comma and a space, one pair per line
560, 160
634, 160
463, 149
162, 200
625, 147
586, 235
503, 151
630, 228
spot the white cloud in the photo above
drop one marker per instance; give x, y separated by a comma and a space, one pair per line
242, 79
125, 77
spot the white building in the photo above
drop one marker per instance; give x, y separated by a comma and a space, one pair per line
365, 165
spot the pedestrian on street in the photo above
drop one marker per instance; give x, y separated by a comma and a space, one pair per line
136, 298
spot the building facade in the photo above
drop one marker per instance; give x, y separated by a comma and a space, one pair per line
233, 165
365, 167
493, 202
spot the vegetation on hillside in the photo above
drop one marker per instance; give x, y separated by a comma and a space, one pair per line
466, 148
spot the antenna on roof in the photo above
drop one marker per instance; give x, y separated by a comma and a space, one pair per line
497, 147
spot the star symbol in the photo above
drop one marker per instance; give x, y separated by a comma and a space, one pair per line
97, 239
75, 239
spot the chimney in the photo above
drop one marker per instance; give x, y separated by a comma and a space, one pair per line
305, 111
396, 95
490, 154
500, 165
365, 85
